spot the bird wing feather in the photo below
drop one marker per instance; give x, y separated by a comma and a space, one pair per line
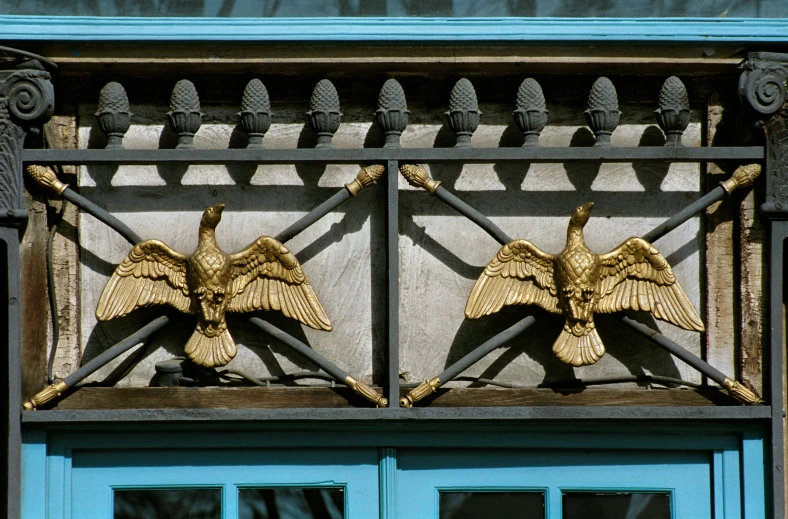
636, 276
267, 276
152, 274
520, 274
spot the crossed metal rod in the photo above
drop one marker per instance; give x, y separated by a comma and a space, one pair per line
417, 176
366, 177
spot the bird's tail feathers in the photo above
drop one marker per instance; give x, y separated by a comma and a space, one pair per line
211, 348
579, 349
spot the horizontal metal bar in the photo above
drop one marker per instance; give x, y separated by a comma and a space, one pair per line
536, 413
357, 155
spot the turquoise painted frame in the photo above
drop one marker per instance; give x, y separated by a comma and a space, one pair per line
706, 31
736, 452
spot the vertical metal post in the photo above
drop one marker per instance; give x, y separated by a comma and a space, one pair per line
392, 280
9, 237
779, 233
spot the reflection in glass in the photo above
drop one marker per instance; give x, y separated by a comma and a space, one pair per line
492, 505
182, 503
640, 505
400, 8
291, 503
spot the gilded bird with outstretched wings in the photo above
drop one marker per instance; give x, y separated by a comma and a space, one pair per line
208, 283
578, 282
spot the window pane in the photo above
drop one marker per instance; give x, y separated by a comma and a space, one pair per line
179, 503
291, 503
581, 505
400, 8
492, 505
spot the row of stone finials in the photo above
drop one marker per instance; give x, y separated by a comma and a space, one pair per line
602, 116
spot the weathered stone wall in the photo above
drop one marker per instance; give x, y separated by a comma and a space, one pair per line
441, 253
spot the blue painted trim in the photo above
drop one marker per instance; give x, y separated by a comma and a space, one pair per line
388, 491
446, 30
754, 488
34, 474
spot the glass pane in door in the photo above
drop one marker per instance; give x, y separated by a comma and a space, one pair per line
291, 503
491, 505
640, 505
180, 503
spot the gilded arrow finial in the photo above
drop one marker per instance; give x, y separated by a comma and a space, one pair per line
209, 283
46, 178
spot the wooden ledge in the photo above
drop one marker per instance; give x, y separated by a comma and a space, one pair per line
105, 398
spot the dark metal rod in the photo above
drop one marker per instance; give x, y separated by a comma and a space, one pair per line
473, 215
676, 350
55, 390
357, 155
91, 208
111, 353
329, 367
481, 351
291, 342
685, 214
429, 386
392, 280
314, 215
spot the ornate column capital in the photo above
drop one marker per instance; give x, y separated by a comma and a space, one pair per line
762, 86
762, 83
27, 99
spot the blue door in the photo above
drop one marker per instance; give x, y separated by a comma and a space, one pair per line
224, 484
553, 484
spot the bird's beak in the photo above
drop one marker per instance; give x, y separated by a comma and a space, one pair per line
218, 208
587, 207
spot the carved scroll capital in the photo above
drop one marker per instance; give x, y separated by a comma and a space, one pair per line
27, 95
762, 83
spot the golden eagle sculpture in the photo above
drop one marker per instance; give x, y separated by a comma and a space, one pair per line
209, 282
578, 283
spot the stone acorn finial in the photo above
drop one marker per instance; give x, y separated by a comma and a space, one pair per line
392, 112
255, 114
531, 113
463, 114
602, 114
185, 115
673, 114
114, 117
324, 115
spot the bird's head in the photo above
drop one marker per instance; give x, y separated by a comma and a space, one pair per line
212, 216
581, 215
